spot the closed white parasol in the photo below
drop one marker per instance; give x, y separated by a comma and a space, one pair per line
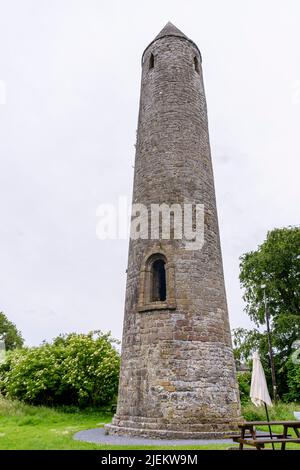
259, 392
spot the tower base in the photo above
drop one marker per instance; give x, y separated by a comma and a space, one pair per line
156, 429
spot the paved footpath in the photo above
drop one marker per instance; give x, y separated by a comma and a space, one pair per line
98, 436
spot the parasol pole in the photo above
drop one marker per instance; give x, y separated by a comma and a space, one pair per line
269, 426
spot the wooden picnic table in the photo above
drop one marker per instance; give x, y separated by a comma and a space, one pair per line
259, 440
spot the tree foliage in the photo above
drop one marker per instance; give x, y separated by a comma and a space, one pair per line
293, 378
9, 333
244, 381
74, 369
275, 265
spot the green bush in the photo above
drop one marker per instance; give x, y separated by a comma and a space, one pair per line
75, 369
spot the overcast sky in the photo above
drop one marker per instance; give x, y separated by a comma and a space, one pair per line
68, 117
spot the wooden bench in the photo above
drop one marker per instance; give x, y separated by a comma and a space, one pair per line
260, 443
259, 440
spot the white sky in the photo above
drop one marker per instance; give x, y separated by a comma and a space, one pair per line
71, 70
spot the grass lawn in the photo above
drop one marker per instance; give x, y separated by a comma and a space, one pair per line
36, 428
39, 428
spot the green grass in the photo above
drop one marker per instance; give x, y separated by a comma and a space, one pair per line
279, 412
40, 428
34, 427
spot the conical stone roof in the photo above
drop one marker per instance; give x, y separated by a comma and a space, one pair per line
170, 30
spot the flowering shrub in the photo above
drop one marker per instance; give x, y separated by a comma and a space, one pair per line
74, 369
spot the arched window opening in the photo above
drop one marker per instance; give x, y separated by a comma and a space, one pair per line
151, 62
196, 65
157, 283
159, 287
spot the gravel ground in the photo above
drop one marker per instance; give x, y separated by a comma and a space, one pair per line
97, 436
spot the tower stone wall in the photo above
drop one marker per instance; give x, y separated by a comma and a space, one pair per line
177, 374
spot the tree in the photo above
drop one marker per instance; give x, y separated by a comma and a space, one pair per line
9, 333
276, 265
245, 342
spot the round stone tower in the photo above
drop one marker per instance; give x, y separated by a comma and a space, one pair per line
177, 374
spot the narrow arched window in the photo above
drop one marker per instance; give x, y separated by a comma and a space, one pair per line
157, 283
159, 287
196, 65
151, 62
